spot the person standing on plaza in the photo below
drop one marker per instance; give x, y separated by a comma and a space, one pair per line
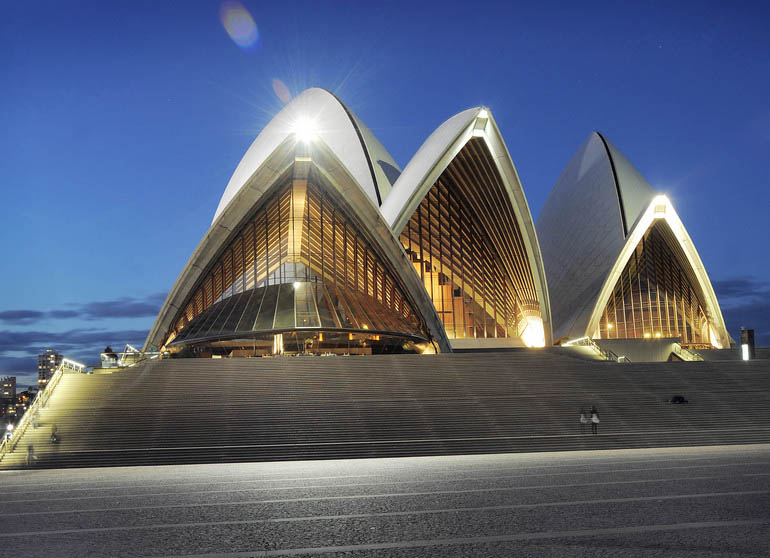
594, 420
583, 421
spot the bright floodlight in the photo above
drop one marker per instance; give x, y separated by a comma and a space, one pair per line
534, 332
304, 129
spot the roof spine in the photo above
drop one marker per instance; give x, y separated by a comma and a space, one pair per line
617, 183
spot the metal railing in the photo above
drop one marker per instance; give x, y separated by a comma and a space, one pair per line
686, 354
607, 354
10, 442
128, 357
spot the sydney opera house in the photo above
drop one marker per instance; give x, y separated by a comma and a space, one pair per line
322, 245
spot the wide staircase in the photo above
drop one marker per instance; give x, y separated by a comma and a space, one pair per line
200, 410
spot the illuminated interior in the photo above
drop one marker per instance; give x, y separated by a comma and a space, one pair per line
299, 263
657, 295
465, 243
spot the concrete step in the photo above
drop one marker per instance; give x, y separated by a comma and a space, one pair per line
194, 411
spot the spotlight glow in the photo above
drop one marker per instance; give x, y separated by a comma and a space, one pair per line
534, 332
239, 24
304, 129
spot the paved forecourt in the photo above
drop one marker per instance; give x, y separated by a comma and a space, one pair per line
702, 501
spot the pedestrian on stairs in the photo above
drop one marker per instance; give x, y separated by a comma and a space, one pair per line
54, 434
594, 420
31, 457
583, 421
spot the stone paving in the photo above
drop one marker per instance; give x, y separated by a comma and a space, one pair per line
679, 502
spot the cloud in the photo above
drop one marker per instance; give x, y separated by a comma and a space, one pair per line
125, 307
63, 314
745, 302
752, 315
24, 368
34, 340
740, 287
83, 345
21, 317
19, 348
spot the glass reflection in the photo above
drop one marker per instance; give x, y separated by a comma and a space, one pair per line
298, 262
656, 296
466, 245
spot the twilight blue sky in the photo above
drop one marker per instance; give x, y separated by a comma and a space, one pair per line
121, 123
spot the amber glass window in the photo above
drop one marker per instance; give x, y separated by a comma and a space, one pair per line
301, 236
466, 245
657, 295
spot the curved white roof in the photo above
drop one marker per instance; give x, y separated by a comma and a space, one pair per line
634, 193
661, 208
580, 229
337, 152
592, 220
334, 124
432, 159
424, 167
386, 171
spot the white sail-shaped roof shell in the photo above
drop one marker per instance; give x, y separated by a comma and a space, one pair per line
661, 208
334, 124
430, 161
426, 166
593, 219
344, 150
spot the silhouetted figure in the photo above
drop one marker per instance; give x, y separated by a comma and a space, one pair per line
594, 420
54, 435
583, 421
31, 457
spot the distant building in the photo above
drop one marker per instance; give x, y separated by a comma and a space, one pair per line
23, 400
8, 389
47, 363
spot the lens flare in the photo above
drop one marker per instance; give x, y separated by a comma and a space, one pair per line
281, 91
305, 129
239, 25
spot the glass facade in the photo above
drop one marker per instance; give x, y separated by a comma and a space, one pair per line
657, 294
298, 262
466, 245
295, 305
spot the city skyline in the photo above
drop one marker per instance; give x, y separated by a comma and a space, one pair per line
121, 139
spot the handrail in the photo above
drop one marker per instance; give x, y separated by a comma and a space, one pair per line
122, 360
9, 444
606, 353
686, 354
